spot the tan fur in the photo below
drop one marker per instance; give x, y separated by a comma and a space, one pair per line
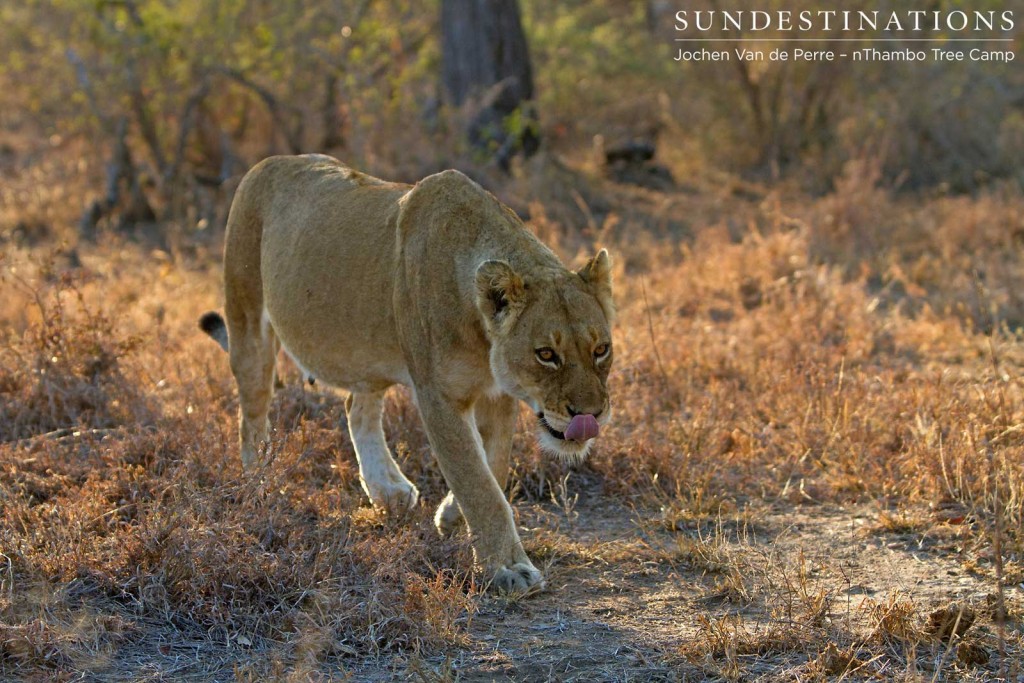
437, 286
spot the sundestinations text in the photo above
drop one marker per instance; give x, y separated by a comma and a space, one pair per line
845, 20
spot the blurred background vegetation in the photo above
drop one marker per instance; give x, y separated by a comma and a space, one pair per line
820, 282
163, 102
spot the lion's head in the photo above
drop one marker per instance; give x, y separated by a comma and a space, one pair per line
551, 346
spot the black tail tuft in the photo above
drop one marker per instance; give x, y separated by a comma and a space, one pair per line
212, 323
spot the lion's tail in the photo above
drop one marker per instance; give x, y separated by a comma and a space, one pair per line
212, 323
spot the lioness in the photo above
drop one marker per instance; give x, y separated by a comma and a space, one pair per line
437, 286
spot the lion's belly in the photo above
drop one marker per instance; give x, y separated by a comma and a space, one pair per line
327, 292
345, 359
355, 370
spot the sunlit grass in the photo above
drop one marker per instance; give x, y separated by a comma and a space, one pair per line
793, 365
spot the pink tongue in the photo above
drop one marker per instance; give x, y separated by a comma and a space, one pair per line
581, 428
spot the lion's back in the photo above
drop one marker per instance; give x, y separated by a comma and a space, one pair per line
313, 208
315, 240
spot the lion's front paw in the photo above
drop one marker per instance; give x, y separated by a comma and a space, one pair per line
398, 496
521, 577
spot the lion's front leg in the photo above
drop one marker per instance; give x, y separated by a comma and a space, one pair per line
496, 422
460, 452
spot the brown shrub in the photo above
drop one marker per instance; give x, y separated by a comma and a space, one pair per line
64, 372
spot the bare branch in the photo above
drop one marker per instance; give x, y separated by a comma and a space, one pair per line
188, 122
147, 125
85, 83
293, 135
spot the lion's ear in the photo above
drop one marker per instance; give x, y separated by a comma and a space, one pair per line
500, 294
598, 276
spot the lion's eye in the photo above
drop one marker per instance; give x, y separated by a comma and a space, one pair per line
546, 355
601, 351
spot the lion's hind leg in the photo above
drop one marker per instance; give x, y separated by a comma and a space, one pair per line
253, 352
379, 474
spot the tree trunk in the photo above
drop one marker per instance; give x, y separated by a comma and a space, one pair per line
485, 61
331, 115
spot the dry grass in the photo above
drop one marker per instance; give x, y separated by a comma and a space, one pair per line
123, 506
854, 350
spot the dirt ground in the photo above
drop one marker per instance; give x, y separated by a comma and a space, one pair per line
815, 592
636, 603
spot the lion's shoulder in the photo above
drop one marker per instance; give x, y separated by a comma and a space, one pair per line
454, 209
445, 193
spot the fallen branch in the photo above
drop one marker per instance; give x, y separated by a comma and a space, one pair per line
70, 433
